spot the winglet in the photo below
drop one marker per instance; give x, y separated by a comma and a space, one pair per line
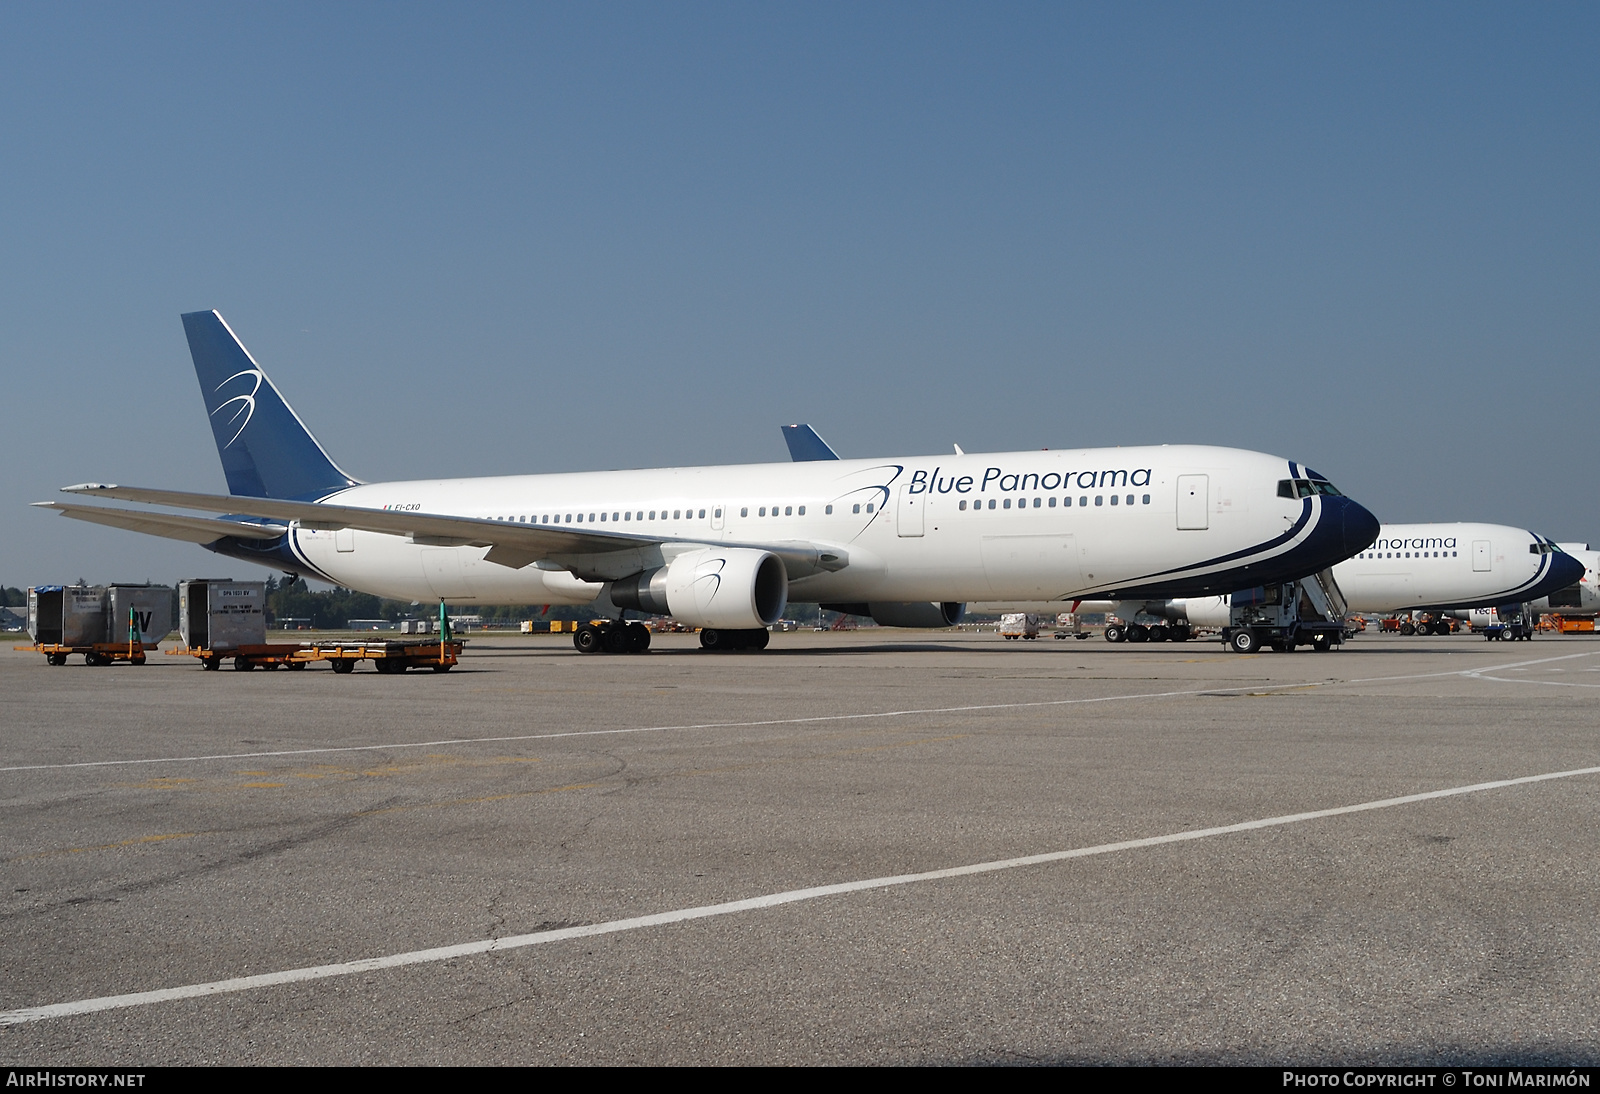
805, 446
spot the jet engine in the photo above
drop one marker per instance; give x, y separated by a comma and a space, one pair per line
737, 588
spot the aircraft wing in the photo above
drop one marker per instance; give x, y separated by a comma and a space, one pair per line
590, 553
171, 525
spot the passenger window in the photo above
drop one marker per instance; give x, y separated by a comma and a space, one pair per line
991, 503
1006, 504
788, 511
869, 507
677, 514
1147, 499
602, 516
1052, 502
1099, 499
1066, 502
716, 512
1130, 499
762, 511
1037, 502
1084, 500
745, 512
827, 511
702, 514
1113, 500
856, 508
962, 506
802, 510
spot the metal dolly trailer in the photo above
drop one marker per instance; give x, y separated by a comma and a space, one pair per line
98, 653
386, 657
391, 655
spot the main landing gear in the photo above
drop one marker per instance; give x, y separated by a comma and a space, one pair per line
723, 641
1138, 632
611, 636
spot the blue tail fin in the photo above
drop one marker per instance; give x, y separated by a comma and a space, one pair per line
806, 446
266, 451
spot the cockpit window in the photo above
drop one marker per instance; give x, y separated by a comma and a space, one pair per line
1305, 488
1544, 549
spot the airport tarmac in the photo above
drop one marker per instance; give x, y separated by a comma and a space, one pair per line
1141, 854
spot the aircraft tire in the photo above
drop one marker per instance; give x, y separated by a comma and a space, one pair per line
638, 638
757, 639
587, 638
615, 638
1159, 633
1138, 632
1114, 633
714, 640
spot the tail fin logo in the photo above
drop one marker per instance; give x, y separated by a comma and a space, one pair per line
247, 402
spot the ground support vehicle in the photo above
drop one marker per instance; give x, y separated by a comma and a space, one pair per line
1015, 625
387, 657
1068, 625
96, 653
1308, 612
1507, 623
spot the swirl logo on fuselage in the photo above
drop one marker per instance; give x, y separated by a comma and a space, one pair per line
247, 402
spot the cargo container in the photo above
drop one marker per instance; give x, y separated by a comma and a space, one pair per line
67, 615
222, 614
150, 608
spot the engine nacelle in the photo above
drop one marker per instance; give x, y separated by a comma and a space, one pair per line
1202, 611
915, 613
737, 588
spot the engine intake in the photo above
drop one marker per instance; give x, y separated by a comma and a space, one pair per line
737, 588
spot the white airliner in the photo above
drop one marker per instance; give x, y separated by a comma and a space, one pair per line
1410, 567
905, 540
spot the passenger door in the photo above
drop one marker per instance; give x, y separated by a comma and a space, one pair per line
908, 521
1482, 556
1193, 502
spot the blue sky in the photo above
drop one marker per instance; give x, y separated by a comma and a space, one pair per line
495, 239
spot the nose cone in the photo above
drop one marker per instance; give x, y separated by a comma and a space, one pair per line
1360, 527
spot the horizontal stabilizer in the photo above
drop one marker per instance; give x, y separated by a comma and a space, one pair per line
171, 525
805, 446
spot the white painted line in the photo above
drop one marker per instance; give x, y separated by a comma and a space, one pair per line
450, 741
732, 907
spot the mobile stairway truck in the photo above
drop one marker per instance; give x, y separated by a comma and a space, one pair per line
1308, 612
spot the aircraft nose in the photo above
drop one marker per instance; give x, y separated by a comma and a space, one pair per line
1360, 528
1564, 570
